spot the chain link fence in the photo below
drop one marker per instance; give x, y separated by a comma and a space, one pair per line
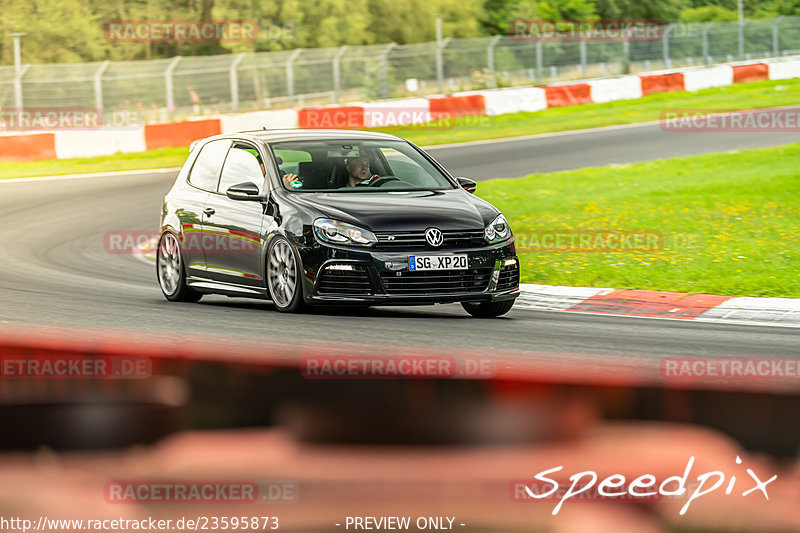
169, 89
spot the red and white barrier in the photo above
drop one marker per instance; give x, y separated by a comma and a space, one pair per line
622, 88
662, 83
707, 77
388, 113
27, 147
92, 143
568, 94
511, 100
784, 70
278, 119
179, 133
399, 112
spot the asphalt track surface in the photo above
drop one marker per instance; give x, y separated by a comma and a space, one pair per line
597, 147
55, 270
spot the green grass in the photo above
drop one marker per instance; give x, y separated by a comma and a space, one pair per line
730, 223
740, 96
161, 158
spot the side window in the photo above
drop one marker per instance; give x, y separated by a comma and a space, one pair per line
205, 171
289, 160
243, 164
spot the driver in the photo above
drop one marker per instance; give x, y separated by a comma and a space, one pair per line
357, 174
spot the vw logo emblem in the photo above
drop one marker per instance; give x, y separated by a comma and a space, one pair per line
434, 236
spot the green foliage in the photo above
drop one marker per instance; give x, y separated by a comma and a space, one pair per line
708, 14
60, 31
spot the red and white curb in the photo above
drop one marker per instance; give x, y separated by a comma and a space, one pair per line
661, 304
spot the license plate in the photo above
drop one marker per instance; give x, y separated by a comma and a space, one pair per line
437, 262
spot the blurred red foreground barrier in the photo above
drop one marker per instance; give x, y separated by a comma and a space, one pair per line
533, 366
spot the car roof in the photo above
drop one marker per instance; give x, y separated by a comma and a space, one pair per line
271, 136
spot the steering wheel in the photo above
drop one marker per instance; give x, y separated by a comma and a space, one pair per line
383, 179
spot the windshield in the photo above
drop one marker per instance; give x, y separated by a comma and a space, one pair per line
355, 166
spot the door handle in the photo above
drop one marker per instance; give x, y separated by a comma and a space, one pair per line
209, 211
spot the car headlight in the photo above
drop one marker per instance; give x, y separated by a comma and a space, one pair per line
498, 230
336, 232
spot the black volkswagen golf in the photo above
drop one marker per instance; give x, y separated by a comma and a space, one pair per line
314, 217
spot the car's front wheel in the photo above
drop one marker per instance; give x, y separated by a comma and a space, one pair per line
488, 309
171, 274
284, 279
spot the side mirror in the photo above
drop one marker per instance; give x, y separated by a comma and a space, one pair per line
467, 184
244, 191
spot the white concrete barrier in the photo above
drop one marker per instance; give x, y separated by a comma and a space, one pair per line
705, 78
511, 100
256, 120
611, 89
397, 112
783, 70
104, 141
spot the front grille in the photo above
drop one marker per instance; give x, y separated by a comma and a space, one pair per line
452, 239
436, 281
509, 278
352, 282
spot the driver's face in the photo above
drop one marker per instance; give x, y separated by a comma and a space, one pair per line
359, 170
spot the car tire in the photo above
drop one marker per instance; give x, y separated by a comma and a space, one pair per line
171, 271
284, 276
487, 309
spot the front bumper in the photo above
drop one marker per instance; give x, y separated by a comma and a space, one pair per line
338, 275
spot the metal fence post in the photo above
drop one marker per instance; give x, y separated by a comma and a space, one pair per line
776, 45
18, 86
337, 73
385, 70
290, 76
440, 46
741, 38
168, 82
234, 76
665, 45
98, 86
582, 46
706, 57
626, 56
539, 62
490, 61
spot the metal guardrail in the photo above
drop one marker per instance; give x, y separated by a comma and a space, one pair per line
169, 89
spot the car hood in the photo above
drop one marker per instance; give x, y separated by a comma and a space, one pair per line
404, 210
